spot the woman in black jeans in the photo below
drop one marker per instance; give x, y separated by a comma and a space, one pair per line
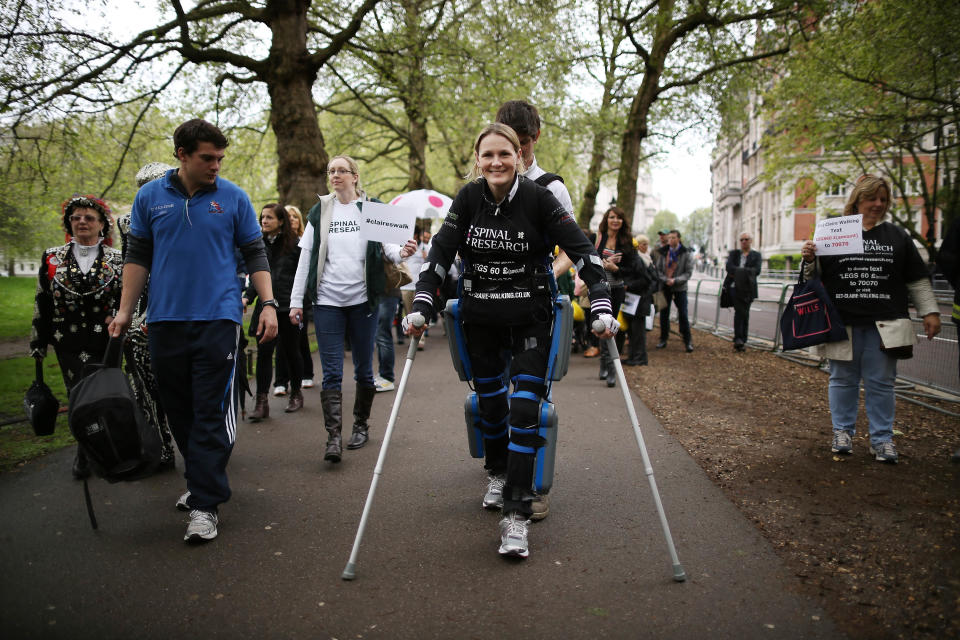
283, 255
615, 247
282, 379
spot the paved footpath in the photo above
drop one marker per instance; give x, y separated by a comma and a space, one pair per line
428, 565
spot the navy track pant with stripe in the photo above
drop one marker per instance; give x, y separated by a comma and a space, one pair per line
194, 363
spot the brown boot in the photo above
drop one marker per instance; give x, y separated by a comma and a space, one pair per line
262, 410
361, 411
332, 400
295, 403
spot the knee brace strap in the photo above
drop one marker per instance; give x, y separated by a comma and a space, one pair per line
525, 440
493, 430
525, 395
522, 377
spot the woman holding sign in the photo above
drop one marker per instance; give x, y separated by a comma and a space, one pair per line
342, 275
871, 291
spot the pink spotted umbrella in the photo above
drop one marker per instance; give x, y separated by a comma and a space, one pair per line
427, 203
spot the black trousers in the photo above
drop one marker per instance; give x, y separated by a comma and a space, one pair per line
526, 348
741, 320
617, 293
288, 340
194, 364
282, 378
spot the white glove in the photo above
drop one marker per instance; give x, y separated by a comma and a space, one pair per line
415, 320
605, 322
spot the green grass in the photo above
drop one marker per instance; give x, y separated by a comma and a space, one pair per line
17, 442
16, 312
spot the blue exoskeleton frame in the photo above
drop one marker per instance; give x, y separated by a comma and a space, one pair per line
557, 365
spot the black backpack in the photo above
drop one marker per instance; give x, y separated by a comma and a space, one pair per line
109, 426
547, 178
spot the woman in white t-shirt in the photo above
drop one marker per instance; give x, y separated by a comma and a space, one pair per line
342, 275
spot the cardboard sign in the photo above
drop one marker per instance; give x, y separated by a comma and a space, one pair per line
381, 222
837, 236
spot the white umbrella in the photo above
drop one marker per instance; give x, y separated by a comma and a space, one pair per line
426, 202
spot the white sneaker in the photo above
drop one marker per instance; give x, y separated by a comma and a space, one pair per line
306, 383
493, 498
182, 502
513, 536
279, 391
202, 527
382, 384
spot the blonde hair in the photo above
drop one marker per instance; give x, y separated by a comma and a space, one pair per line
296, 211
500, 129
868, 186
355, 168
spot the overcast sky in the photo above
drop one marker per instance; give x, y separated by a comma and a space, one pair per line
683, 180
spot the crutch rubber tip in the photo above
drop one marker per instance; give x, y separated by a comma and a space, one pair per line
350, 572
678, 574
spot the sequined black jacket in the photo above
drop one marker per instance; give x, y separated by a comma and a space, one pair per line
71, 308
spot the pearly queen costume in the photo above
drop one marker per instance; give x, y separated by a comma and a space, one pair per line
78, 287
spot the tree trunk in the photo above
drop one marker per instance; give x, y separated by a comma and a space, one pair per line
597, 155
633, 137
301, 153
589, 204
415, 101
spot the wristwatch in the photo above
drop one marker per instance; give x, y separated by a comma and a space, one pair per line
271, 303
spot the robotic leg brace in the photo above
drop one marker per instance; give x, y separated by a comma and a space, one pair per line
540, 439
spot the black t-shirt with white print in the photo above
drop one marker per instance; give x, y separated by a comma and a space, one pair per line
872, 286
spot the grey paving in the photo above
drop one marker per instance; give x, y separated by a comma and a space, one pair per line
428, 566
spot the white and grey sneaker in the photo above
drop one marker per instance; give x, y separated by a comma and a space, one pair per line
182, 502
884, 452
202, 527
279, 391
306, 383
493, 498
513, 536
382, 384
842, 442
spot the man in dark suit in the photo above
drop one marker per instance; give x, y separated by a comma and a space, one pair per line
743, 267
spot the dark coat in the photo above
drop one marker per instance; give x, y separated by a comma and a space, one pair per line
744, 278
71, 308
283, 268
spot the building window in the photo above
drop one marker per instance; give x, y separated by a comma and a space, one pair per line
912, 188
839, 190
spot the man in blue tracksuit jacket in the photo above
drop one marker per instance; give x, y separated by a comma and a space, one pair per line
184, 231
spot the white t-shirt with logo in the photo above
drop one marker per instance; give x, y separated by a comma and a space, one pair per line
342, 284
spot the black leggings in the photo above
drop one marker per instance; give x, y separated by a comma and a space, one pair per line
288, 337
528, 347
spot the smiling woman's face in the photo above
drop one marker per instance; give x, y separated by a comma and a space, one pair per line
497, 160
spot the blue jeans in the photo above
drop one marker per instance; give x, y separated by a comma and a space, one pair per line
387, 311
878, 371
331, 324
679, 298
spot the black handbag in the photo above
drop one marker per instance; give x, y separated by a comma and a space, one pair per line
810, 317
41, 405
726, 298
